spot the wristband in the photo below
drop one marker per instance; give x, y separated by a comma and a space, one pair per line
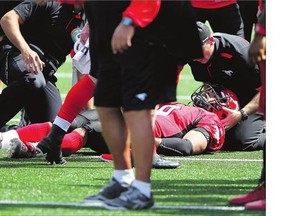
244, 115
127, 21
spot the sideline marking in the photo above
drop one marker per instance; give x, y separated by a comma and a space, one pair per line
216, 159
100, 206
190, 158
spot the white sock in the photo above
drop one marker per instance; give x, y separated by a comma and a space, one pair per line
6, 138
143, 187
62, 123
124, 176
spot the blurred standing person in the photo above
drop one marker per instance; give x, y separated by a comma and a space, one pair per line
257, 54
130, 84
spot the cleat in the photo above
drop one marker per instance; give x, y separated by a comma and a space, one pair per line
110, 191
55, 157
130, 199
258, 194
18, 149
53, 152
51, 145
106, 157
256, 205
161, 163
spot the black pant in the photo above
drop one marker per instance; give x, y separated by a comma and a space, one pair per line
248, 10
249, 135
225, 20
36, 93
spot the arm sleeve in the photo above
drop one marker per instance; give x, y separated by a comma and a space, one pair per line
26, 9
142, 12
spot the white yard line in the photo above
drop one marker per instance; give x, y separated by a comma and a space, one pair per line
215, 159
191, 158
100, 206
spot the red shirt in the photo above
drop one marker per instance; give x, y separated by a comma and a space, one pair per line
211, 4
142, 12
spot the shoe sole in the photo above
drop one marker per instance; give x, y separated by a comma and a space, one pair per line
13, 149
93, 202
108, 207
105, 160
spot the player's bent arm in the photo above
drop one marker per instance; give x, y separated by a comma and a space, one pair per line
10, 24
253, 105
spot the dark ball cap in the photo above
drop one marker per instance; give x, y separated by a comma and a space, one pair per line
204, 31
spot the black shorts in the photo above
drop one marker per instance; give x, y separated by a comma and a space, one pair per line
140, 78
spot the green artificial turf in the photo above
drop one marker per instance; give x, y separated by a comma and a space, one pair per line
200, 183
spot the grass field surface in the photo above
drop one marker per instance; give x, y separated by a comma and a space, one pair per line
202, 185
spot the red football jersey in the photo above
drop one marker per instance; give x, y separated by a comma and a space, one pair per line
176, 119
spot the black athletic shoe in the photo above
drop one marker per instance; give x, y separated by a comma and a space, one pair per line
131, 199
53, 151
110, 191
161, 163
51, 145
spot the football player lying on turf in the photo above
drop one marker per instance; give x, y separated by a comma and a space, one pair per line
85, 131
180, 130
183, 130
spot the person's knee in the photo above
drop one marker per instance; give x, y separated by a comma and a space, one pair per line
17, 72
252, 142
253, 136
255, 144
37, 81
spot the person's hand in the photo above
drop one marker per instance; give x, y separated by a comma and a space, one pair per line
122, 37
232, 118
32, 61
257, 49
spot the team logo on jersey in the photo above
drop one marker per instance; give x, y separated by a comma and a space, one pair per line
141, 96
228, 72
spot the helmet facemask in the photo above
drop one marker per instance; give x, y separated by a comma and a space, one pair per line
213, 98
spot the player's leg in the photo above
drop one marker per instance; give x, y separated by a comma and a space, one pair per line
74, 141
76, 99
